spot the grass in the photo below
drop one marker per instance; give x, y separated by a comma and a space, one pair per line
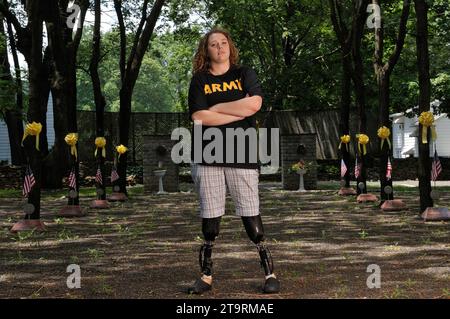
54, 194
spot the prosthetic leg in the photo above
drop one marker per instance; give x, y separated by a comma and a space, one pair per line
255, 231
210, 229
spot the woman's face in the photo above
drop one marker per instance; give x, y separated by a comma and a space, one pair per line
218, 48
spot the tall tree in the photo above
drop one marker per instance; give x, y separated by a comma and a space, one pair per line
344, 37
423, 65
29, 42
63, 45
129, 70
11, 90
99, 98
383, 71
359, 21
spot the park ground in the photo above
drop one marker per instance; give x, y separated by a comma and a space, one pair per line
147, 247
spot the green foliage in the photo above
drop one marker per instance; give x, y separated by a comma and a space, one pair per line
163, 79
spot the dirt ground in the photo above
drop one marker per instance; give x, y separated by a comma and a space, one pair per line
147, 247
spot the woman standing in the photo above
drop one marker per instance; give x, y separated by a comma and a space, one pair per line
224, 96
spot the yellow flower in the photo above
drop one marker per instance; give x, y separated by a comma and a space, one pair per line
121, 149
363, 139
427, 120
384, 133
34, 129
72, 139
345, 139
100, 142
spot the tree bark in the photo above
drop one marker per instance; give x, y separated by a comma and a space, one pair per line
358, 81
12, 116
344, 38
423, 64
64, 48
98, 95
383, 72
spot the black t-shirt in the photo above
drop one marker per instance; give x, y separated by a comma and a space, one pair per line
205, 91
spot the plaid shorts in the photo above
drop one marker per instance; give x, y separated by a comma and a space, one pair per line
211, 183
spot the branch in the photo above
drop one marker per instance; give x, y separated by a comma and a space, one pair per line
135, 61
84, 5
11, 18
379, 43
138, 33
123, 38
400, 38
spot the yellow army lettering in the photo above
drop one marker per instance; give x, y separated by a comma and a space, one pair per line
232, 85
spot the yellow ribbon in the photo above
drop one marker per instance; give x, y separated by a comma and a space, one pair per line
427, 120
72, 139
33, 129
100, 142
363, 139
384, 133
121, 149
344, 139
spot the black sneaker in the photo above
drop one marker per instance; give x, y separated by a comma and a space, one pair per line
199, 287
271, 286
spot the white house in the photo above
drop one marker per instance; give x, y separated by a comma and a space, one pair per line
5, 150
405, 132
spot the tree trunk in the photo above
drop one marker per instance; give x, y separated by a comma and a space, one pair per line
13, 117
383, 72
383, 99
34, 109
98, 96
423, 64
358, 81
129, 74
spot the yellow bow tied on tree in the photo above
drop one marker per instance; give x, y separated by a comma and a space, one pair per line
121, 149
363, 139
100, 142
384, 133
33, 129
345, 139
427, 120
72, 139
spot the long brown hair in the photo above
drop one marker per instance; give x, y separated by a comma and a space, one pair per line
201, 61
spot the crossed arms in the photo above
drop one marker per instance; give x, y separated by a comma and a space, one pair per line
224, 113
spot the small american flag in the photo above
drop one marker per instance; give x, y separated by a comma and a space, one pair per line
357, 169
72, 179
436, 167
343, 168
28, 182
389, 169
98, 176
114, 175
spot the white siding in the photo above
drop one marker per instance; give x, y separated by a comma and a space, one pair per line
397, 139
50, 121
408, 141
5, 152
443, 133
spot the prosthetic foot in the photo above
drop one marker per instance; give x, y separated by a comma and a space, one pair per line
200, 286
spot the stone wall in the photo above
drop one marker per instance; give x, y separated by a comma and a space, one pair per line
153, 148
296, 147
